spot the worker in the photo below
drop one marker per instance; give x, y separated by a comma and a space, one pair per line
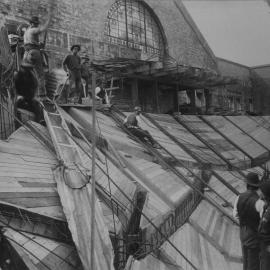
247, 208
32, 46
101, 93
72, 65
26, 85
264, 227
132, 124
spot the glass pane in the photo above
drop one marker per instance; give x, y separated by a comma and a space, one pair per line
130, 20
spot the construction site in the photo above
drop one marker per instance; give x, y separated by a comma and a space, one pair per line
78, 188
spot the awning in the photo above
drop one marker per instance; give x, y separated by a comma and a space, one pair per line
166, 72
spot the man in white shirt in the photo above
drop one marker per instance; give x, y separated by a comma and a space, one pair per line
32, 46
132, 124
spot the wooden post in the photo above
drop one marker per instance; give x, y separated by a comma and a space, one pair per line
191, 94
177, 97
156, 94
93, 189
135, 92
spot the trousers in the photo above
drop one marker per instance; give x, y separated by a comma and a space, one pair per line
251, 258
33, 56
143, 135
265, 257
75, 79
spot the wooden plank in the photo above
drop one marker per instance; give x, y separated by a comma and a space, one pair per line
142, 179
33, 202
75, 193
79, 223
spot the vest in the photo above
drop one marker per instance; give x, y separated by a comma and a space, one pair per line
249, 218
132, 120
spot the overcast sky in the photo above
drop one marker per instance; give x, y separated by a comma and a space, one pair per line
237, 30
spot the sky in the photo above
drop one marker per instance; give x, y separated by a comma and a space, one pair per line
237, 30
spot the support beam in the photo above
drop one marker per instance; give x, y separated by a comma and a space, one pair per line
191, 95
20, 218
135, 92
156, 95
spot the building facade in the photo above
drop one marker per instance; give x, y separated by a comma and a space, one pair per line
173, 67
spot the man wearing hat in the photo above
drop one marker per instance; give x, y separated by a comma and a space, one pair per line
264, 228
247, 209
72, 65
132, 124
32, 46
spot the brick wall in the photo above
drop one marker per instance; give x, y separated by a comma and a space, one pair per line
185, 42
252, 85
83, 21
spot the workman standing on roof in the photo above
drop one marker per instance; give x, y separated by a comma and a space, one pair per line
132, 124
32, 46
72, 65
248, 207
264, 227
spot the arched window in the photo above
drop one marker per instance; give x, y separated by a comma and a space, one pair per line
130, 23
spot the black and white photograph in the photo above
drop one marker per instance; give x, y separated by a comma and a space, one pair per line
134, 134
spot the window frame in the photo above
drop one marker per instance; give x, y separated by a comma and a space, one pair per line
135, 15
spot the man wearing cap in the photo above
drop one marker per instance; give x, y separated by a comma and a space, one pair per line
132, 124
264, 228
72, 65
32, 46
247, 209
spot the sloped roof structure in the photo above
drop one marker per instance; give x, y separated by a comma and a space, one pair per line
187, 209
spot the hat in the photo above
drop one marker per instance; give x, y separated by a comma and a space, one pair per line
265, 188
253, 179
76, 45
34, 19
137, 109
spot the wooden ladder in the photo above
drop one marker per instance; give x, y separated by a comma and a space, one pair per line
66, 149
76, 196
